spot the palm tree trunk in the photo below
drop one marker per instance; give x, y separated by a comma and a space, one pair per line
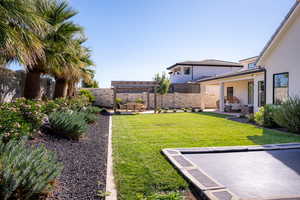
71, 89
32, 88
61, 88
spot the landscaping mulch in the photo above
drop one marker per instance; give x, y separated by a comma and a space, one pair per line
84, 172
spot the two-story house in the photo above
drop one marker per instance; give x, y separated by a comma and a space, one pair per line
189, 71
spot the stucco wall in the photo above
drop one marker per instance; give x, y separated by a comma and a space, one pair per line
210, 96
12, 85
284, 56
104, 98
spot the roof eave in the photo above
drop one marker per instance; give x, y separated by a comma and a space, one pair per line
210, 65
278, 30
231, 75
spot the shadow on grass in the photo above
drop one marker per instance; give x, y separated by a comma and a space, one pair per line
272, 136
213, 114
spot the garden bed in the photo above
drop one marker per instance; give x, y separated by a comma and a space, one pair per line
84, 173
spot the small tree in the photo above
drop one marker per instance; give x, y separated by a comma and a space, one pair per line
163, 84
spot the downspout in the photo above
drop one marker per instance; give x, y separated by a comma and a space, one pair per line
265, 84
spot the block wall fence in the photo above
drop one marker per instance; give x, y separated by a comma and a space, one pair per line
104, 98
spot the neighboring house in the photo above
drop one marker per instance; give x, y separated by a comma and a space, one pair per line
249, 63
269, 78
218, 71
190, 71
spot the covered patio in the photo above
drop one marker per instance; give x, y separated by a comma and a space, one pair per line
242, 91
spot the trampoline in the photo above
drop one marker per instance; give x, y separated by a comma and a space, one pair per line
241, 172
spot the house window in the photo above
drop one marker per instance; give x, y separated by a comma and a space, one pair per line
261, 93
176, 71
229, 92
250, 93
187, 70
280, 87
251, 65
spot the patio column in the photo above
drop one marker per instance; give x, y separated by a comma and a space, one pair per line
115, 98
155, 100
148, 99
221, 103
202, 94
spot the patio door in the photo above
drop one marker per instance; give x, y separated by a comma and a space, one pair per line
229, 93
250, 93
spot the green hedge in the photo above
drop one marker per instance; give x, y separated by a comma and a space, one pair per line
288, 115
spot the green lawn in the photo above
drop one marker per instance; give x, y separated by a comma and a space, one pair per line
139, 166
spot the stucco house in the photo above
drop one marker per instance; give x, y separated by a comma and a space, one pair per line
189, 71
269, 78
281, 59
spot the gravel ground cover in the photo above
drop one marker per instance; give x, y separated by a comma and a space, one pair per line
84, 172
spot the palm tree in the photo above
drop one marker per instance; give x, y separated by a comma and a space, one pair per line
77, 68
57, 14
20, 25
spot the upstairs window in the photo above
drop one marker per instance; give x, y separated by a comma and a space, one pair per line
187, 70
176, 71
251, 65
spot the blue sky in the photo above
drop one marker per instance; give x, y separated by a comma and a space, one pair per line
134, 39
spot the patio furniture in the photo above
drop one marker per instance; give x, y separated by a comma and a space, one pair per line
247, 109
232, 104
133, 106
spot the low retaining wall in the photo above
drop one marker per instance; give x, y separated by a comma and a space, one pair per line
104, 98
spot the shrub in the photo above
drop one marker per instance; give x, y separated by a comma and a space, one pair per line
75, 104
288, 114
93, 109
90, 117
78, 103
49, 107
250, 117
12, 124
90, 114
26, 173
68, 124
139, 100
265, 116
88, 94
31, 111
119, 101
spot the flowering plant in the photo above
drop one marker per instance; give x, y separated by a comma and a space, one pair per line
12, 124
